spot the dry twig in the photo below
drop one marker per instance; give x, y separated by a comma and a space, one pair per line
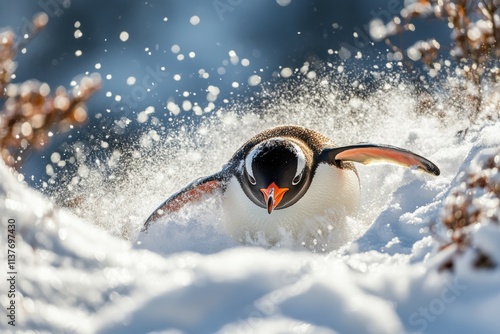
30, 111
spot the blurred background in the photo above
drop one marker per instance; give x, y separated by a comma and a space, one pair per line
166, 64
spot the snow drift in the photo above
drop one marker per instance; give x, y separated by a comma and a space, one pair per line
90, 274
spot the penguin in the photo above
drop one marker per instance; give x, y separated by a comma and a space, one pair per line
289, 180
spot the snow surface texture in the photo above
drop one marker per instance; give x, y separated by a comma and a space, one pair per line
189, 277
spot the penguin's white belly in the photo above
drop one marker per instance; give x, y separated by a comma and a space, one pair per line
320, 214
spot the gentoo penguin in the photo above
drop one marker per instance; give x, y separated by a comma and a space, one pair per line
289, 180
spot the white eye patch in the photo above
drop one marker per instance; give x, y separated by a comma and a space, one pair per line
301, 161
248, 162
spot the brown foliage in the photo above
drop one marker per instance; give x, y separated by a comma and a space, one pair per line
30, 111
475, 32
464, 207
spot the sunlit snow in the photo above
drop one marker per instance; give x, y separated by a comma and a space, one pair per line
89, 270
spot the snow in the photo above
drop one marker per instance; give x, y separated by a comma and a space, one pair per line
89, 271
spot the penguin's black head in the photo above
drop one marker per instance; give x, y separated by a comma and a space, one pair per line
276, 173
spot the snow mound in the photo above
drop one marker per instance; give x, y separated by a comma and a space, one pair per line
76, 278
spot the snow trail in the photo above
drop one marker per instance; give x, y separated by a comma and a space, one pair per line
83, 273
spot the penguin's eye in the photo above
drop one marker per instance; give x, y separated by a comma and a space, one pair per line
252, 180
296, 179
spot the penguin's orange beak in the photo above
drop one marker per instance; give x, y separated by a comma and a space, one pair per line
273, 196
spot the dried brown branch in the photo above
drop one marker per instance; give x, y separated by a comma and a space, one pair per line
475, 31
469, 204
30, 111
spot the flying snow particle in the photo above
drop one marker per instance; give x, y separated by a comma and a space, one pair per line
177, 77
55, 157
221, 70
233, 58
209, 107
78, 53
311, 75
245, 62
97, 66
214, 90
194, 20
254, 80
175, 48
378, 30
78, 33
187, 105
124, 36
142, 117
283, 3
192, 54
197, 110
173, 108
344, 53
414, 53
286, 72
49, 170
131, 81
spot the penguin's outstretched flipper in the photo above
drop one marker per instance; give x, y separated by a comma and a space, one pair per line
371, 153
192, 192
